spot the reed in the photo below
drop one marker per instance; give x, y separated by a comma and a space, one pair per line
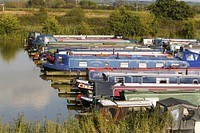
136, 122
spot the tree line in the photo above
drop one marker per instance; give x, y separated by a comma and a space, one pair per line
164, 18
86, 4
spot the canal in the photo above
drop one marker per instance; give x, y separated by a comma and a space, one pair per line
24, 92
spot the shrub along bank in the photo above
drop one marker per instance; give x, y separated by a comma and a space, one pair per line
131, 24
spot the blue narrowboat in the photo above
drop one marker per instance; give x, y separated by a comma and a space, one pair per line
74, 62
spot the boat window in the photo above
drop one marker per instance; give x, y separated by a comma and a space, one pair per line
196, 56
82, 64
119, 79
159, 64
142, 65
195, 81
180, 55
189, 57
162, 80
175, 114
46, 40
51, 39
41, 38
187, 114
179, 72
106, 64
60, 60
124, 64
185, 111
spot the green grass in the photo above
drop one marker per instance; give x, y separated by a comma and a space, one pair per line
136, 122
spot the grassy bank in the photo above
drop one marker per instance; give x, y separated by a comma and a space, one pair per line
136, 122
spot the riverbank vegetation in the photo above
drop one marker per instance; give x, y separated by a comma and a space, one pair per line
136, 122
89, 18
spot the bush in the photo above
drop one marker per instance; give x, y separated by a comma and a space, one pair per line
83, 29
172, 9
188, 29
123, 22
76, 15
8, 24
51, 26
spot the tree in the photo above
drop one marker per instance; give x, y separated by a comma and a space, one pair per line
55, 3
71, 3
51, 25
15, 4
119, 3
188, 29
8, 24
36, 3
88, 4
76, 15
123, 22
40, 15
83, 29
171, 9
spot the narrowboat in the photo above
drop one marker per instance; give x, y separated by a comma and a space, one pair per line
58, 41
102, 52
73, 62
92, 39
184, 59
110, 73
138, 91
31, 38
40, 41
112, 51
142, 78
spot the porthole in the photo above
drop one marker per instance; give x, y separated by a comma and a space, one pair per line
195, 81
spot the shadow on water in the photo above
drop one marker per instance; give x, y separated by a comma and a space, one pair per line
9, 49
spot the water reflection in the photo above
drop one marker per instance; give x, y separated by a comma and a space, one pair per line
23, 91
9, 50
66, 87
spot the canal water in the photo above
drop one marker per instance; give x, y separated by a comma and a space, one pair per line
24, 92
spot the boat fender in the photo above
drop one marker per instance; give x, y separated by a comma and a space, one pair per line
36, 55
79, 96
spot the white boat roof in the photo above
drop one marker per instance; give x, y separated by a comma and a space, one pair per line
150, 74
133, 103
156, 84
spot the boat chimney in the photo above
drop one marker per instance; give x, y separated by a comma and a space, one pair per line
186, 72
117, 56
104, 77
122, 83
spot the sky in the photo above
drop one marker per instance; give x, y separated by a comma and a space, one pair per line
191, 0
178, 0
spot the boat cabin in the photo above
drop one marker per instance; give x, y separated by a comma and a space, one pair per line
185, 115
191, 57
42, 40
